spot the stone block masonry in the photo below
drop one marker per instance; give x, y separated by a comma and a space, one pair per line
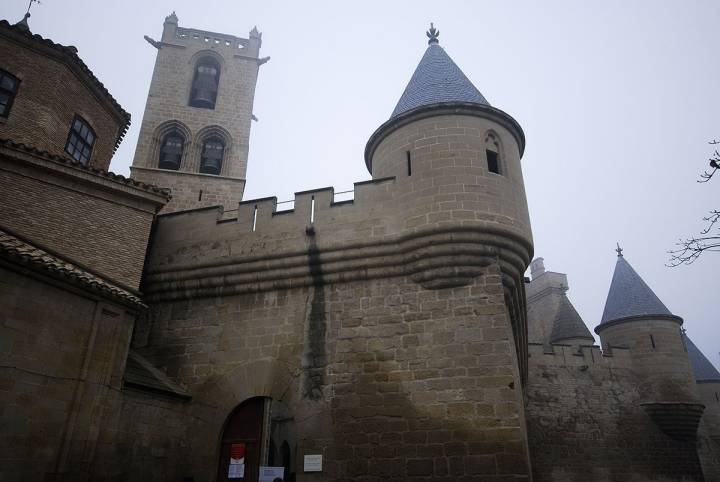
585, 421
193, 190
169, 110
392, 344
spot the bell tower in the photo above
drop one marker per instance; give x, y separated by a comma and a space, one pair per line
195, 130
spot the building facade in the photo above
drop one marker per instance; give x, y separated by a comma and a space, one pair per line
200, 337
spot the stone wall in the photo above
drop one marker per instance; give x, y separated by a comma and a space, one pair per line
385, 379
194, 190
62, 355
48, 98
585, 422
709, 433
391, 325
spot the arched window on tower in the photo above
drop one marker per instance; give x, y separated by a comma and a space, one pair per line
171, 151
205, 83
211, 158
492, 153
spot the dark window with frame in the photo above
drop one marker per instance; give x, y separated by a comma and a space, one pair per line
493, 161
205, 83
211, 157
171, 151
8, 90
80, 140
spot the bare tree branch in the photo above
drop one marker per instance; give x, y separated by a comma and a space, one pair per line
689, 249
714, 164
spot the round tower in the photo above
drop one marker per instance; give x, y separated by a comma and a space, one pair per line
459, 214
635, 318
456, 164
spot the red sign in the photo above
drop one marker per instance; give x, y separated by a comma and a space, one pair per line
237, 451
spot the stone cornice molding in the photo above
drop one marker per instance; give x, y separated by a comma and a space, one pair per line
629, 319
434, 258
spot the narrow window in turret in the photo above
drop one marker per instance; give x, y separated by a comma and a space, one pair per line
254, 217
409, 163
652, 341
492, 153
312, 209
492, 161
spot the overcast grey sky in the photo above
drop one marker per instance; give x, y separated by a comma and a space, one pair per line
618, 101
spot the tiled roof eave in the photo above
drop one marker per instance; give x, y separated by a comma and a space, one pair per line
24, 255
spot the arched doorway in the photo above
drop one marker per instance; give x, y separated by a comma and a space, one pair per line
258, 433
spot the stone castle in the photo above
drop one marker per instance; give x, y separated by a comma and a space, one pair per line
163, 328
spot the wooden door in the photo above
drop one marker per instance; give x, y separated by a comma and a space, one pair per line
244, 426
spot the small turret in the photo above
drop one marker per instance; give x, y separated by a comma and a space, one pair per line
635, 318
552, 318
568, 326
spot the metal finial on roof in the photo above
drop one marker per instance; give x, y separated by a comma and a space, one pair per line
23, 24
433, 34
619, 250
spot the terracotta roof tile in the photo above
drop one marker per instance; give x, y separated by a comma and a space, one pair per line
22, 252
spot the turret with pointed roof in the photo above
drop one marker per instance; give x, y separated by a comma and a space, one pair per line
630, 296
635, 318
568, 325
439, 86
452, 165
437, 79
703, 370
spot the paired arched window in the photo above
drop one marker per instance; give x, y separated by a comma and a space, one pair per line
211, 156
171, 151
492, 153
205, 83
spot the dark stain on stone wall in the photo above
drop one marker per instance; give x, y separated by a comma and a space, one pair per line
315, 354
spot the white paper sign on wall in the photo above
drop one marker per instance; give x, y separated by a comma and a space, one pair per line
269, 474
313, 463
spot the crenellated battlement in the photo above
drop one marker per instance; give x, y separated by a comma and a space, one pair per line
307, 207
210, 38
582, 357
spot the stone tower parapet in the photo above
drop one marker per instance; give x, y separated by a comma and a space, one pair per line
169, 111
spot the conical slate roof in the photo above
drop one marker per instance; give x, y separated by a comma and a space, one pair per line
629, 295
437, 79
568, 323
703, 369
